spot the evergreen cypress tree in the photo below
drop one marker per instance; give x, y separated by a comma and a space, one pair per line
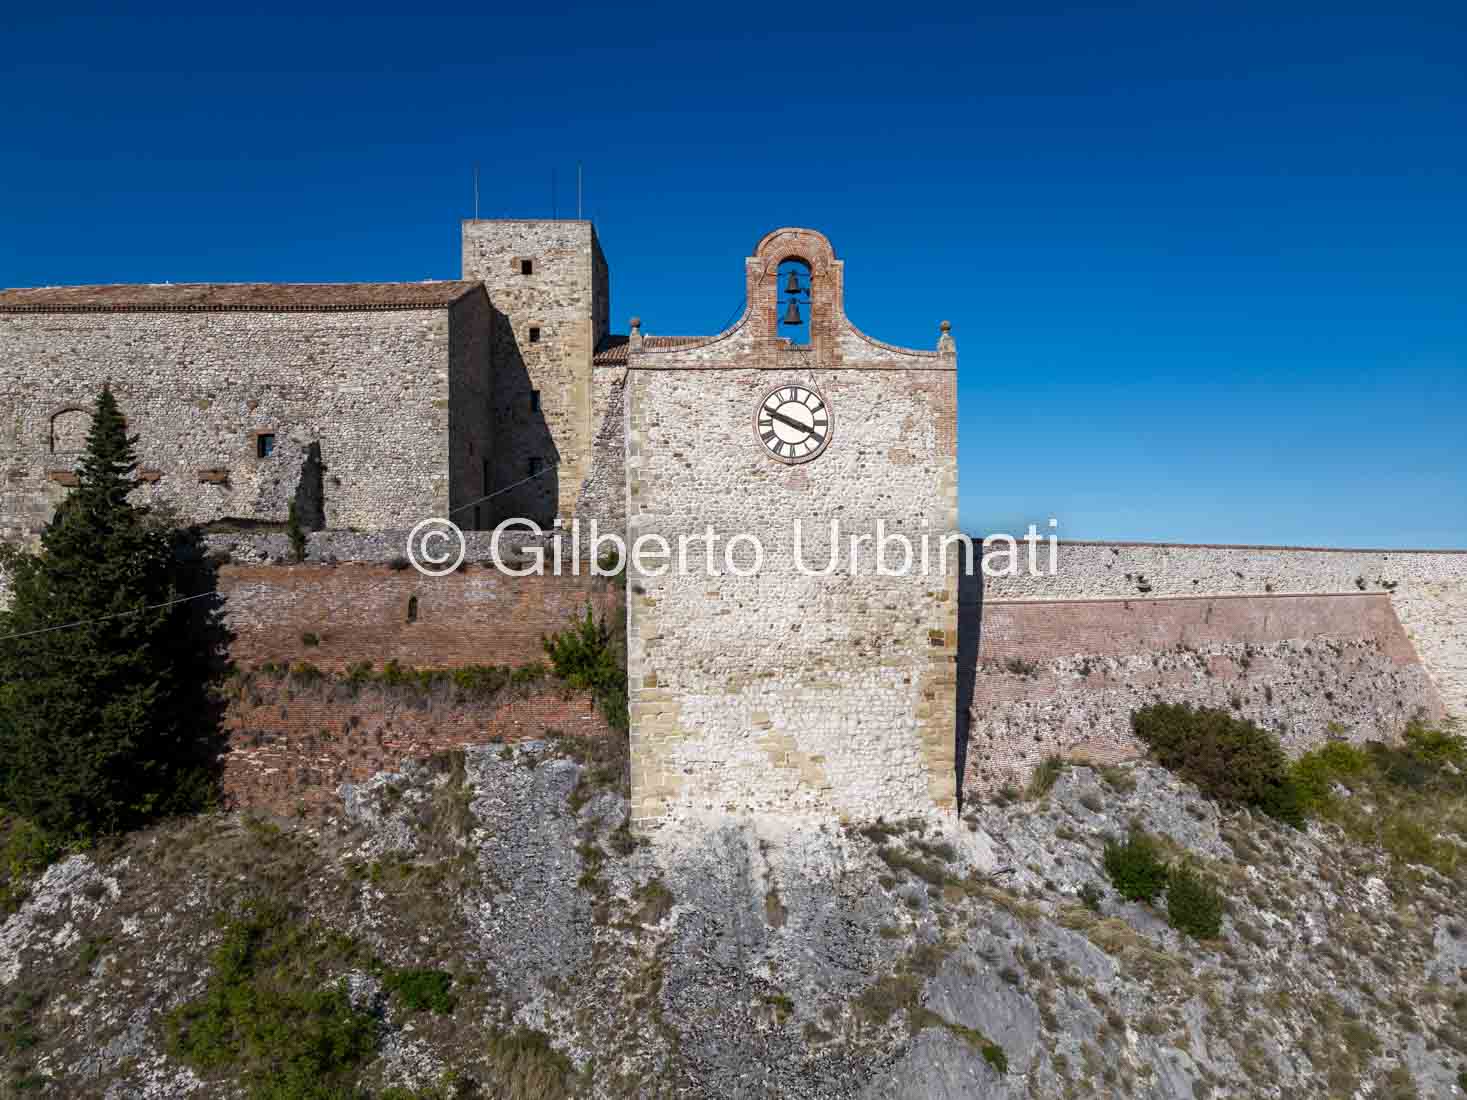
100, 686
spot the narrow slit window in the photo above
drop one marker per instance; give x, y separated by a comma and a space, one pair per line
534, 334
534, 401
527, 267
412, 609
536, 465
264, 444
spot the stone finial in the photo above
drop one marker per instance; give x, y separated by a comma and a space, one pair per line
636, 337
945, 342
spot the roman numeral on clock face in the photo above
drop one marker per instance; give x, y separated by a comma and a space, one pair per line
793, 423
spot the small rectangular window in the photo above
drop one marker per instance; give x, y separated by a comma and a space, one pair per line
534, 334
534, 401
536, 465
476, 517
527, 267
485, 482
264, 444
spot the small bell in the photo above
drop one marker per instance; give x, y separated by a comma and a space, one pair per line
792, 285
792, 315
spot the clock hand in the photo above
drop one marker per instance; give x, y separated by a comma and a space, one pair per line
791, 421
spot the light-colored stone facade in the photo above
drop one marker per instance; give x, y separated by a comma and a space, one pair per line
782, 691
354, 393
550, 287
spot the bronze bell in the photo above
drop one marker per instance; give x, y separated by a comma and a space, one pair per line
792, 315
792, 285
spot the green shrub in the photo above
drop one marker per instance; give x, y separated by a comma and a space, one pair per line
1316, 772
417, 990
587, 657
993, 1054
1135, 867
1404, 795
1090, 897
1193, 905
271, 1017
1229, 758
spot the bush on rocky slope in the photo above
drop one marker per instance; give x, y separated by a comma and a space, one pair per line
1135, 867
1192, 904
1229, 758
1409, 799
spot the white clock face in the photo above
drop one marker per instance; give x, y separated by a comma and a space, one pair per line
793, 423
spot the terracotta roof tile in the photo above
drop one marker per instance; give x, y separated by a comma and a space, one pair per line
613, 350
210, 297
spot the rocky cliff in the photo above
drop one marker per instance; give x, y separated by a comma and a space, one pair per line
485, 925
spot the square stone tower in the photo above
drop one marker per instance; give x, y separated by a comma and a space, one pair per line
759, 686
550, 287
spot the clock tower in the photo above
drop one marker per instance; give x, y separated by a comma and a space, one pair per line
780, 658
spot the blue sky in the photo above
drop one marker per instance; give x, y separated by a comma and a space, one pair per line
1206, 265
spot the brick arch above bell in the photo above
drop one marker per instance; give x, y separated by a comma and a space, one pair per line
809, 246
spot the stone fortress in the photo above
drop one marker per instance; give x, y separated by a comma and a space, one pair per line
370, 407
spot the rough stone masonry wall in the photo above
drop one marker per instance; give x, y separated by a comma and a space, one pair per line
1063, 677
565, 298
604, 492
370, 386
783, 692
1428, 589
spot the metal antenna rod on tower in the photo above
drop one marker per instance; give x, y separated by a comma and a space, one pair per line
476, 190
554, 205
578, 190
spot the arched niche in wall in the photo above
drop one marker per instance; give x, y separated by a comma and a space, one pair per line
69, 428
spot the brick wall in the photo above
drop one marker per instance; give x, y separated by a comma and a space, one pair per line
1063, 676
359, 612
292, 744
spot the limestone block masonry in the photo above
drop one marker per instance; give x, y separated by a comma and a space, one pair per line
550, 286
779, 691
350, 385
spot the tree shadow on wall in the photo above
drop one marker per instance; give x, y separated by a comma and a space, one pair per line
522, 440
970, 622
